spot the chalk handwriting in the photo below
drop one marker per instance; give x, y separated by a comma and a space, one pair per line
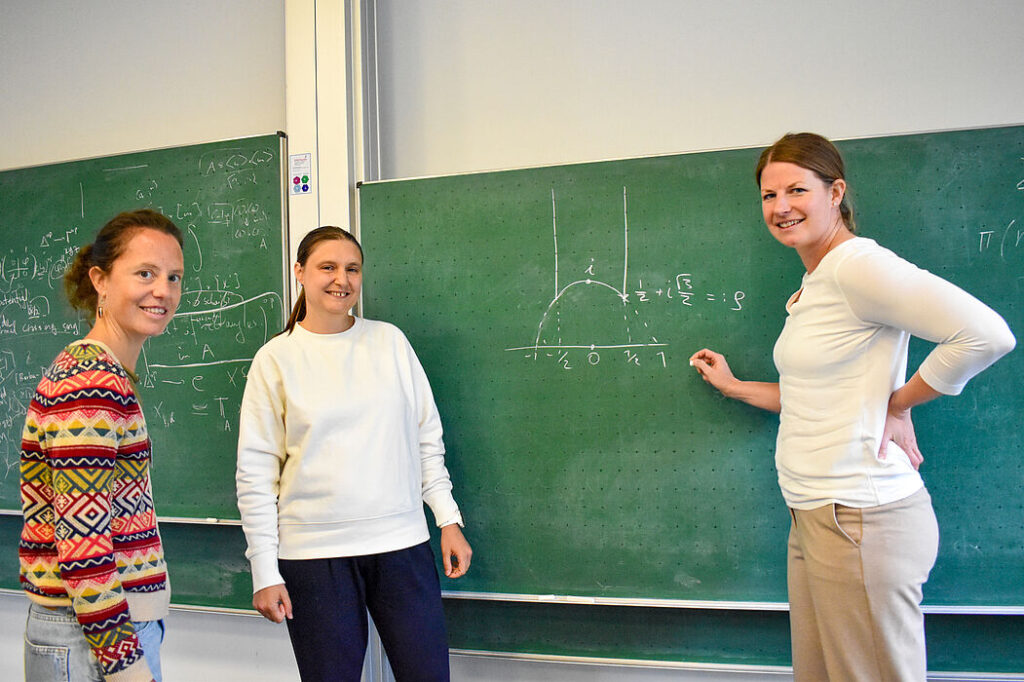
1009, 239
200, 363
630, 341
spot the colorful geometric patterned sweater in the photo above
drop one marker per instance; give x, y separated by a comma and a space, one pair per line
90, 538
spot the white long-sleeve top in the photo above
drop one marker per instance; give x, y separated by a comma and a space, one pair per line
339, 446
841, 354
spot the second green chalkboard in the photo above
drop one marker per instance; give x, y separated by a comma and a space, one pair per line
554, 310
227, 199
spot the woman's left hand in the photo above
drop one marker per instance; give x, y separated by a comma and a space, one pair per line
900, 430
454, 546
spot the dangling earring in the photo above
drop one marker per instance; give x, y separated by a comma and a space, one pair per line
99, 308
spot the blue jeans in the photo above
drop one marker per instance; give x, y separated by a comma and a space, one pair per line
56, 650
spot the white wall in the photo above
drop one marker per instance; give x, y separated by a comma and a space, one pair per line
468, 85
84, 79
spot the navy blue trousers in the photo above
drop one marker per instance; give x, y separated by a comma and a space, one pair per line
330, 598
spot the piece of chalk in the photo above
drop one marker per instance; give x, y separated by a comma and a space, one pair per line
691, 363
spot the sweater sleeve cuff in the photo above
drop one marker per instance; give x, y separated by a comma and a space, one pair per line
136, 672
264, 571
444, 508
457, 518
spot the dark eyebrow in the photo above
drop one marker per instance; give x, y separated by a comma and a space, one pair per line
154, 266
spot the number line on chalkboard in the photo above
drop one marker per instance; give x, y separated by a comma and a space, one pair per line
592, 346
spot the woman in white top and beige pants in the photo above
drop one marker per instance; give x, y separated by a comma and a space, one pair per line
863, 536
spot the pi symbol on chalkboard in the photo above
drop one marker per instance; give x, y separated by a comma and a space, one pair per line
590, 321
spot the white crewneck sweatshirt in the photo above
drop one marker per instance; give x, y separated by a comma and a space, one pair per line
842, 353
339, 447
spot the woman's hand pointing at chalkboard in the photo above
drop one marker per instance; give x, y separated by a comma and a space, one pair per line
713, 368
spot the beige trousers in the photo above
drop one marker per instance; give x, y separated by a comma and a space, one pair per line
855, 579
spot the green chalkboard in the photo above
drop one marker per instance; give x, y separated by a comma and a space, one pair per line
227, 198
554, 310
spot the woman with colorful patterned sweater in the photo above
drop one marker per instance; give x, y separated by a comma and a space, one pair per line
339, 447
92, 562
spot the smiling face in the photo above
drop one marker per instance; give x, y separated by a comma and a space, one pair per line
800, 209
140, 292
332, 279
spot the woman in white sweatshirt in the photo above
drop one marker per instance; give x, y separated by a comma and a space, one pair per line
339, 447
863, 536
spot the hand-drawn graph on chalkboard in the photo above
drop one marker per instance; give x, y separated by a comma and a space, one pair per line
579, 316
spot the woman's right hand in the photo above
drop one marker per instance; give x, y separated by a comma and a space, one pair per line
713, 368
273, 603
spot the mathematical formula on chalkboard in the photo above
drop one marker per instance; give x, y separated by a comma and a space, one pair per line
227, 200
580, 326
